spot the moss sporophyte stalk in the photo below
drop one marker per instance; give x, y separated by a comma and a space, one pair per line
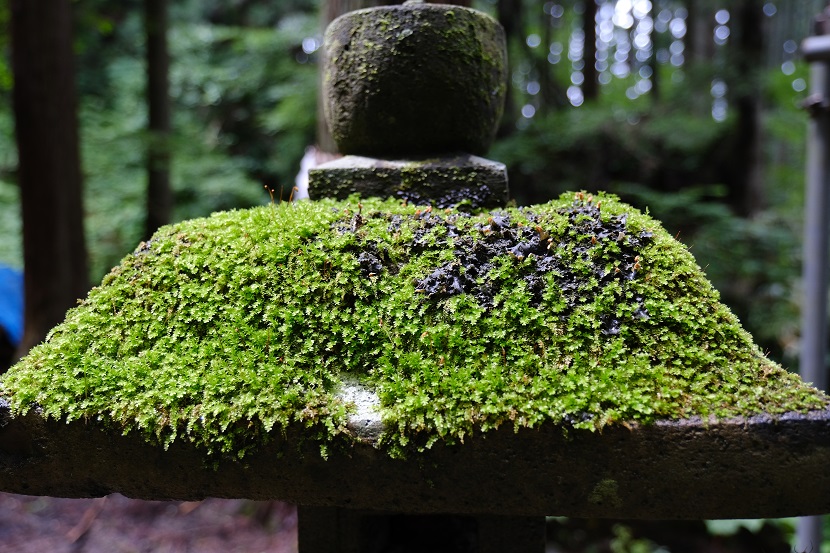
581, 312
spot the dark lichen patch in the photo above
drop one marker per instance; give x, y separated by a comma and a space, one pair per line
612, 253
592, 253
220, 330
465, 198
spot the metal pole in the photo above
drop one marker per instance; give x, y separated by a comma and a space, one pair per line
813, 367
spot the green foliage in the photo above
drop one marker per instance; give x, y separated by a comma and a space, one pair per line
753, 263
785, 123
194, 336
11, 242
243, 115
729, 527
113, 145
625, 542
673, 159
597, 144
6, 78
242, 118
246, 14
113, 162
251, 91
10, 248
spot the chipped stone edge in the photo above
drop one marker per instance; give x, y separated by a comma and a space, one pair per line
365, 421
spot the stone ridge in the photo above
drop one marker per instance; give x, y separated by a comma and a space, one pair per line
581, 313
461, 182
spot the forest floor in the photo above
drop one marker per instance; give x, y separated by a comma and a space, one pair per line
116, 524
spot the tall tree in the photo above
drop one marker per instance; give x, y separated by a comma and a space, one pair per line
747, 191
509, 14
590, 86
699, 26
159, 194
699, 50
656, 44
49, 167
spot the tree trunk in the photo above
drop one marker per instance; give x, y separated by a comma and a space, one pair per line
699, 51
652, 59
543, 66
49, 167
509, 13
747, 191
590, 87
699, 43
159, 194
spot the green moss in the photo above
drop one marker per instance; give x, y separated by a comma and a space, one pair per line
606, 492
220, 329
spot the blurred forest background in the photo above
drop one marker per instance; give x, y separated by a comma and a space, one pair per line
687, 108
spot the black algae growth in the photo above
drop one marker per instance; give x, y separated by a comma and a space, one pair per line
592, 253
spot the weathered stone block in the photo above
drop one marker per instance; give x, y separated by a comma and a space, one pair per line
456, 181
414, 79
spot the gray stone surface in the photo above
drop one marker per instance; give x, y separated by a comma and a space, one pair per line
414, 79
444, 182
753, 468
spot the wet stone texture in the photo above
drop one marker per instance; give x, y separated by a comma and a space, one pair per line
760, 467
414, 79
462, 181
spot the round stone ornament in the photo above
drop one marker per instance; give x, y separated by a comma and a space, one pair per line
414, 79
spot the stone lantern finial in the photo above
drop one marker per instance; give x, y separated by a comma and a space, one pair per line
412, 93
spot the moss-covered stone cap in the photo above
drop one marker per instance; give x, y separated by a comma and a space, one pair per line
581, 313
414, 79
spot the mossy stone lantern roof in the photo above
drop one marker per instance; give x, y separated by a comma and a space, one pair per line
388, 354
370, 334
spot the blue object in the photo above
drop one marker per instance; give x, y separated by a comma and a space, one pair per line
11, 303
